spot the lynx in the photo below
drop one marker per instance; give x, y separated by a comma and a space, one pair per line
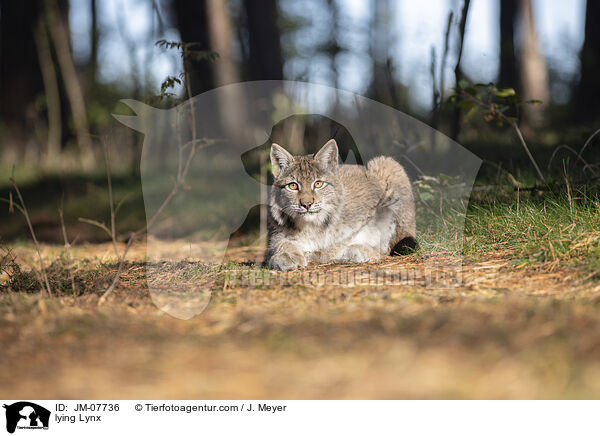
321, 211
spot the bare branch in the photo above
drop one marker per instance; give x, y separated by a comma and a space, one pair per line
587, 142
512, 123
35, 241
119, 270
110, 196
67, 246
97, 224
524, 144
179, 182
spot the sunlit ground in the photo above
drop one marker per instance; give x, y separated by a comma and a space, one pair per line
507, 332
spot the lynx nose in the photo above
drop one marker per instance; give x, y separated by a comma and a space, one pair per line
306, 204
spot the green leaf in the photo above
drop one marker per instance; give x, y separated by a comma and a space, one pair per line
471, 112
535, 102
505, 92
462, 84
163, 43
471, 90
465, 104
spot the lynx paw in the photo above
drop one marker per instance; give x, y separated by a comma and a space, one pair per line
321, 256
357, 253
287, 261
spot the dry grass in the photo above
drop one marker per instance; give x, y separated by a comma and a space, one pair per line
507, 332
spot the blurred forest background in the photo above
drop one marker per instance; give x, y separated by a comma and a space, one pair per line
525, 321
64, 66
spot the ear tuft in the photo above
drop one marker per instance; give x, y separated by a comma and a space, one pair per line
280, 159
327, 156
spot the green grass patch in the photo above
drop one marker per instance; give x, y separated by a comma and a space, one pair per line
545, 229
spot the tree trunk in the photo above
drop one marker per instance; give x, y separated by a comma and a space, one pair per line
232, 104
221, 41
192, 21
60, 37
265, 58
52, 92
462, 25
94, 38
586, 94
532, 69
333, 45
508, 63
383, 86
20, 75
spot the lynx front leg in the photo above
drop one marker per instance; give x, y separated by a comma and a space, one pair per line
287, 257
358, 253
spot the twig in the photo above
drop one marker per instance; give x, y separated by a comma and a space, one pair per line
514, 125
415, 166
180, 181
455, 127
389, 78
188, 86
438, 94
566, 147
119, 270
435, 95
524, 144
587, 142
97, 224
37, 245
445, 56
67, 246
568, 189
110, 197
134, 235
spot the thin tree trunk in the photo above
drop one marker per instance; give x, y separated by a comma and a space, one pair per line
265, 58
51, 92
333, 46
533, 70
221, 41
508, 63
60, 38
232, 108
20, 78
94, 38
131, 48
438, 93
586, 94
455, 128
192, 23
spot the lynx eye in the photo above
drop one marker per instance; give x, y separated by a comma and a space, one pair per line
318, 184
293, 186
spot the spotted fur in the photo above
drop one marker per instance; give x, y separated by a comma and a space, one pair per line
359, 214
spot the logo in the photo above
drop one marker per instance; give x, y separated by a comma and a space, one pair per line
218, 144
26, 415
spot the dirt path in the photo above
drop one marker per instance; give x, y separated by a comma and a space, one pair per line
505, 333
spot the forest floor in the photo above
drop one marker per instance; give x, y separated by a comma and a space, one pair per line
509, 330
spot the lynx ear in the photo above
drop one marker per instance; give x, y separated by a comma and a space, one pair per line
280, 159
327, 156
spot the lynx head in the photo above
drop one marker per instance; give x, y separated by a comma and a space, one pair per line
306, 189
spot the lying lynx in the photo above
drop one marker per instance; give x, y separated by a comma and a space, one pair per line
325, 212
